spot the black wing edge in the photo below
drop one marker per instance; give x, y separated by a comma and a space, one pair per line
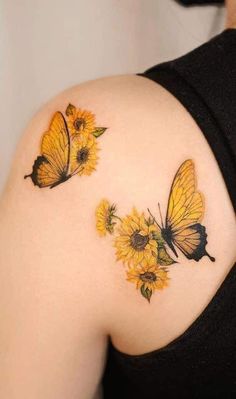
34, 176
200, 250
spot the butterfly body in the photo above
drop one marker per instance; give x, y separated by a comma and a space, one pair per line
63, 179
185, 211
167, 236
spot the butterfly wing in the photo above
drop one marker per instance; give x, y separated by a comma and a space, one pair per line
185, 205
51, 168
184, 213
192, 242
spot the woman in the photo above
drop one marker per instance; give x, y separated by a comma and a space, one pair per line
129, 254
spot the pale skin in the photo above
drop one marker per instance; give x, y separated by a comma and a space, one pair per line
62, 292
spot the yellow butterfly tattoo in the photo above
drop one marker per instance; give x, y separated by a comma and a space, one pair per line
185, 211
142, 243
69, 147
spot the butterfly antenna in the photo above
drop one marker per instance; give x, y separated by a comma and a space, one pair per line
154, 219
159, 207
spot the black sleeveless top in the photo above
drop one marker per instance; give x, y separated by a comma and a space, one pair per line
201, 363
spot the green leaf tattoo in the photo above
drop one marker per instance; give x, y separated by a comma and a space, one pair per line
99, 131
146, 292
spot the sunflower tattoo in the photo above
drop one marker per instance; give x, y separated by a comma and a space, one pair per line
106, 218
80, 122
137, 242
148, 278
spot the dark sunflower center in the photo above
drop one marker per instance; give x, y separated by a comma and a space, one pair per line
138, 242
148, 277
78, 123
83, 155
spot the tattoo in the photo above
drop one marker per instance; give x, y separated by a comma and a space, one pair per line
68, 148
143, 245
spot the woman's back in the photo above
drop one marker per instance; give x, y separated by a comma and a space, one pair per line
200, 361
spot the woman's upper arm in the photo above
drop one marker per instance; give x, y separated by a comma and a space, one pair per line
52, 336
52, 306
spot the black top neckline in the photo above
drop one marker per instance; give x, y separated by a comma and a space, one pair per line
229, 30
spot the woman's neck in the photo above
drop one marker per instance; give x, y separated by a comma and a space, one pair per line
231, 14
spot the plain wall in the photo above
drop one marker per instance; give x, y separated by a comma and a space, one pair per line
49, 45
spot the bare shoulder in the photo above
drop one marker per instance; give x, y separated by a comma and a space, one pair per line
85, 223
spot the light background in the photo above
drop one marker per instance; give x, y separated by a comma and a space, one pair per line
49, 45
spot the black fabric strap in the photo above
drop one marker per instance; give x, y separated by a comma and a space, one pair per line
204, 81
